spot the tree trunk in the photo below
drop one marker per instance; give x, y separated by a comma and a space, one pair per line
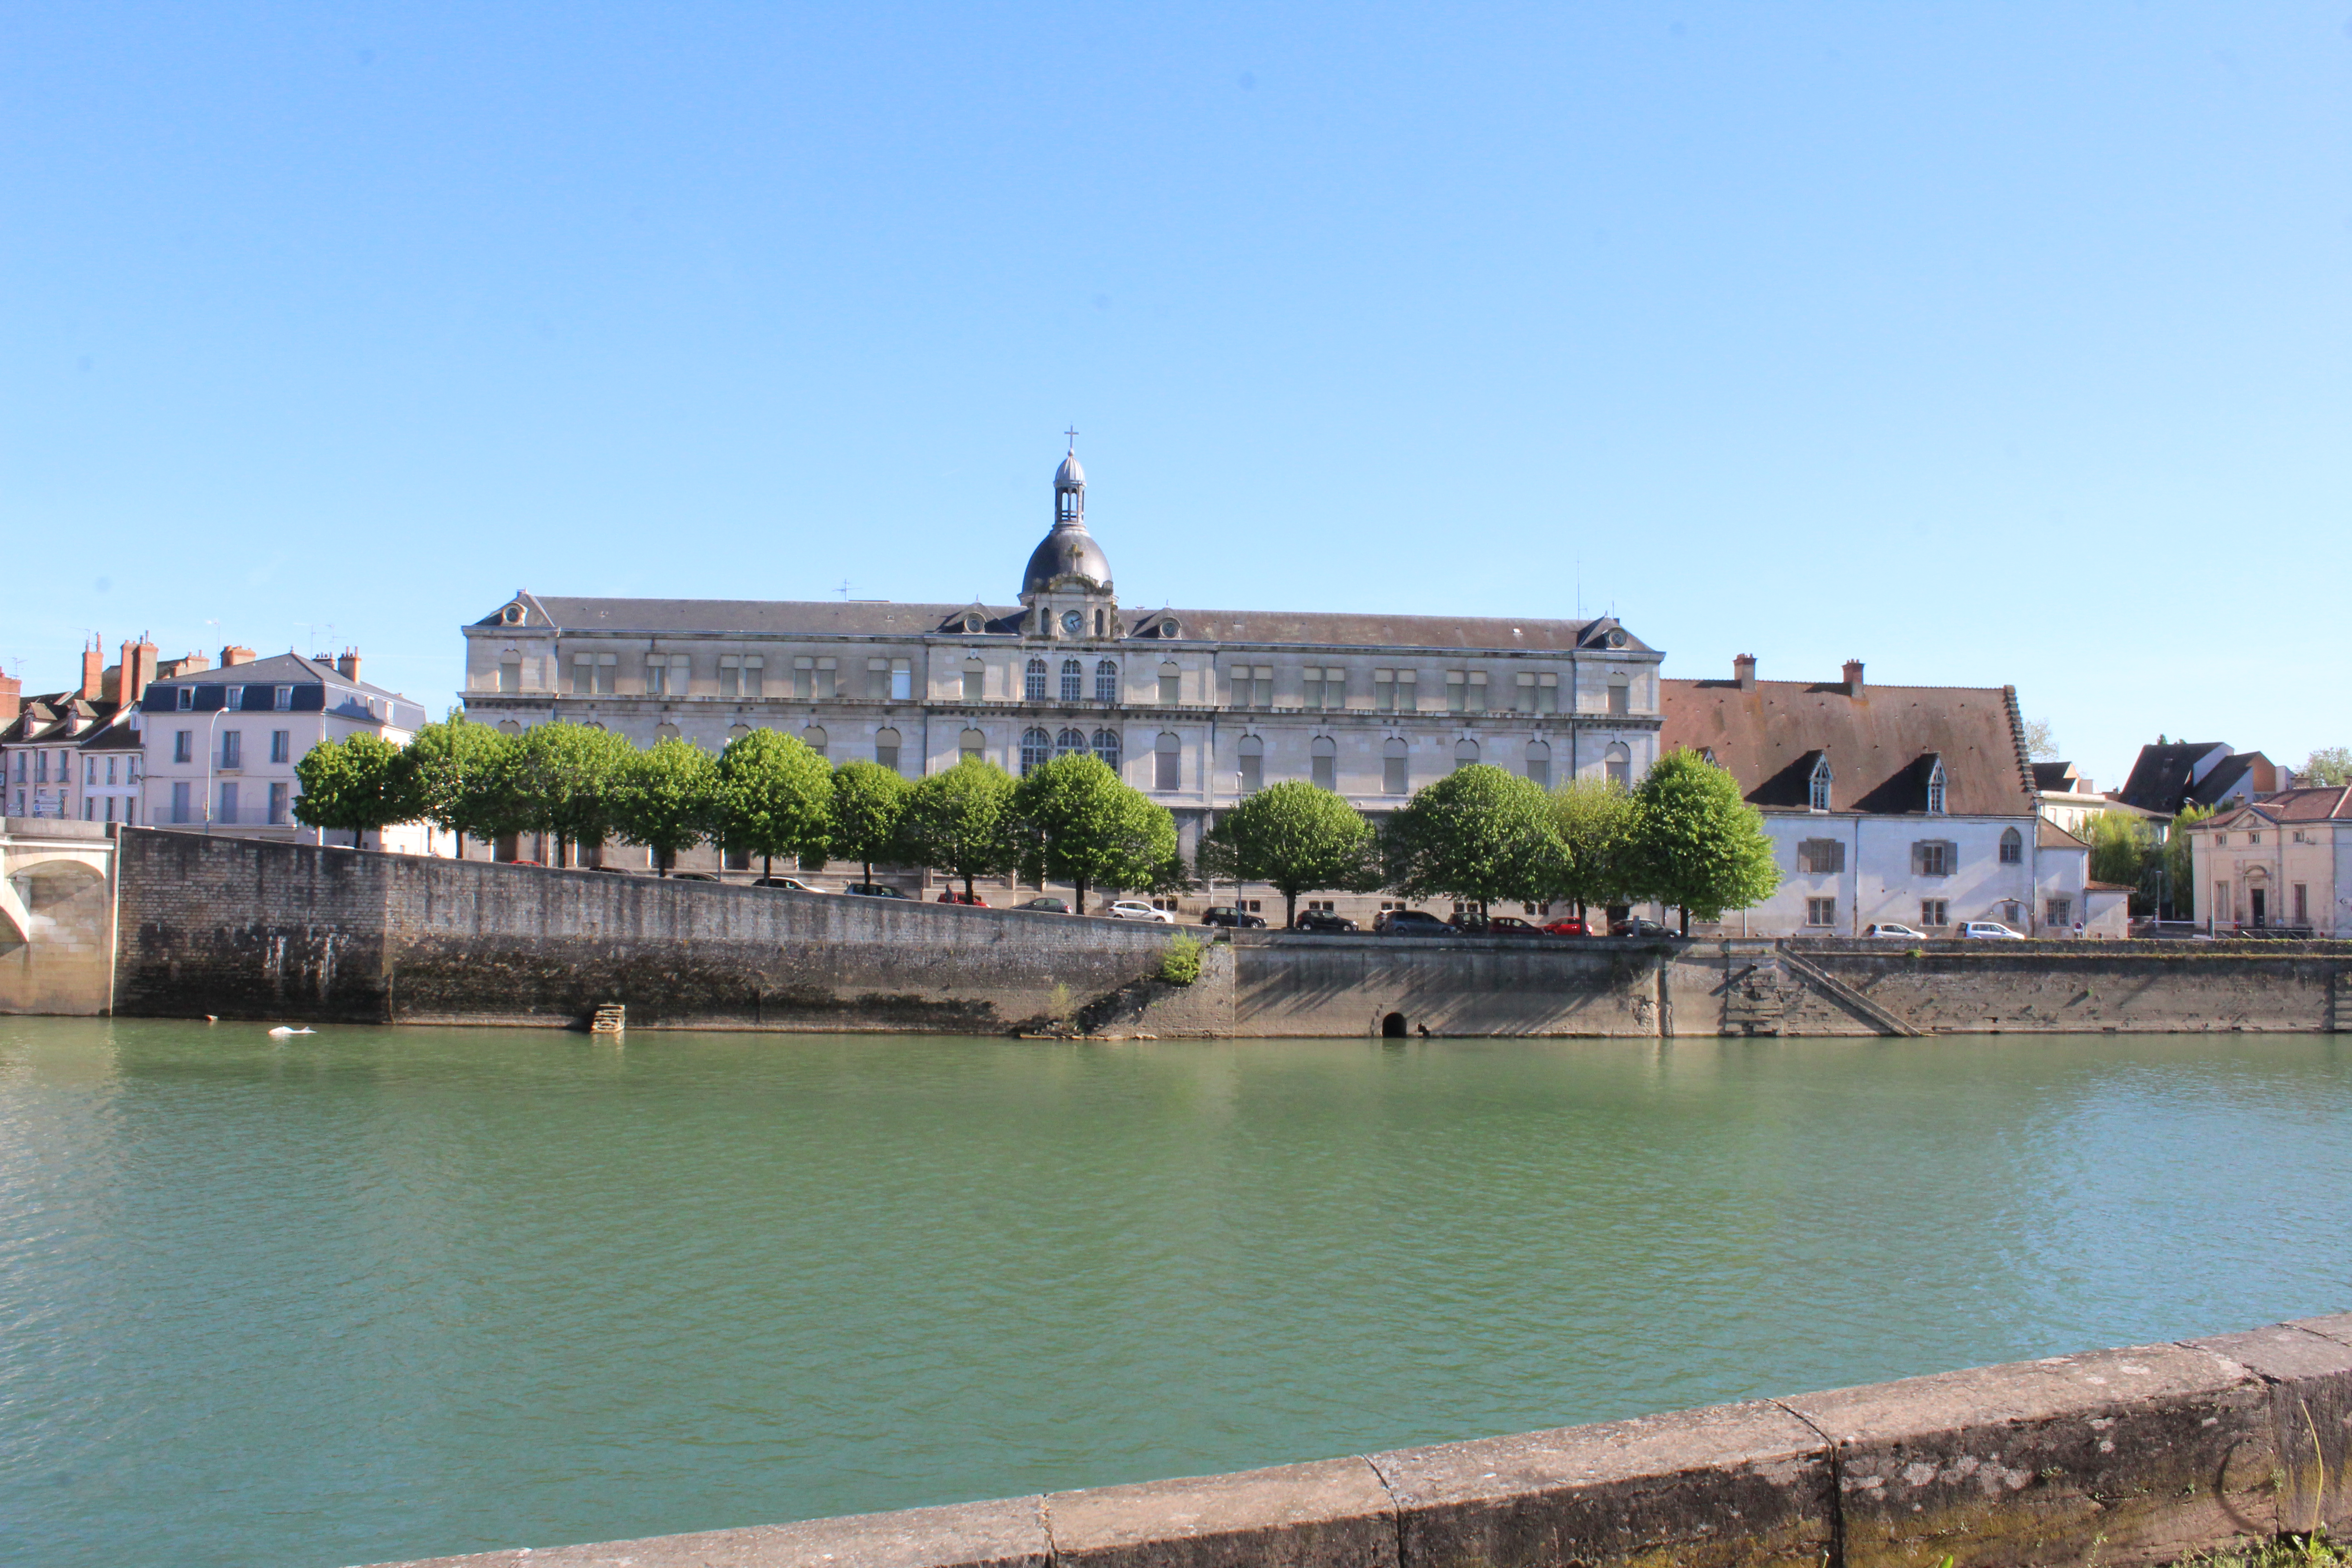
966, 886
1686, 910
768, 867
869, 871
1290, 910
1080, 889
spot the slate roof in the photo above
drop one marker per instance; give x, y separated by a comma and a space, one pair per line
1880, 745
277, 669
827, 617
2160, 778
42, 719
2059, 776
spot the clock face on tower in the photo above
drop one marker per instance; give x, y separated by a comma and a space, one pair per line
1071, 620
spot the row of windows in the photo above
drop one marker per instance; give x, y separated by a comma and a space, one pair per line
232, 747
1398, 690
1818, 792
1929, 857
233, 699
228, 808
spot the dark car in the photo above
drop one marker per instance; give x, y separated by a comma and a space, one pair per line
1566, 925
693, 877
1045, 905
873, 890
1511, 925
1410, 922
975, 899
1227, 915
1323, 919
1638, 927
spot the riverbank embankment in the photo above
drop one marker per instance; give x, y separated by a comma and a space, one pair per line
2143, 1455
248, 930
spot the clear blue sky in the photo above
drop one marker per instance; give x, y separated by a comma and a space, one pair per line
1988, 342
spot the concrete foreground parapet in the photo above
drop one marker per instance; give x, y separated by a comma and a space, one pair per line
2123, 1457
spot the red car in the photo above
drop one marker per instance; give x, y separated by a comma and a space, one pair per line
1568, 925
975, 899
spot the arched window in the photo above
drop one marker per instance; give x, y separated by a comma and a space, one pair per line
1033, 686
1036, 745
1464, 753
1393, 765
1106, 748
1820, 789
813, 739
885, 748
1167, 761
1540, 763
1936, 789
2012, 847
1073, 680
1069, 741
737, 730
1101, 621
1619, 762
1323, 761
1252, 755
972, 745
1106, 681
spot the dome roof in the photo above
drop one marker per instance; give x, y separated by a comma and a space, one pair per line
1069, 476
1069, 551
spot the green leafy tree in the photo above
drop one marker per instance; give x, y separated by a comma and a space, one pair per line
1079, 824
2122, 851
561, 781
868, 800
462, 778
1296, 837
1594, 818
2179, 869
1696, 843
664, 798
774, 797
962, 822
2328, 765
362, 783
1478, 835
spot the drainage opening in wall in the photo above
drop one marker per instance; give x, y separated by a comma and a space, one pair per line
1392, 1027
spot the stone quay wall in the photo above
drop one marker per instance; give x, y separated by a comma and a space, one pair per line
2119, 1457
241, 929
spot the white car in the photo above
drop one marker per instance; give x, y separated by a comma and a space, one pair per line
1890, 928
1993, 930
1130, 910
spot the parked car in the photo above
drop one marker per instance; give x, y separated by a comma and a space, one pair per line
1133, 910
1046, 906
1511, 925
872, 890
615, 870
1410, 922
1319, 919
693, 877
790, 884
1896, 929
1992, 930
975, 899
1229, 916
1568, 925
1639, 926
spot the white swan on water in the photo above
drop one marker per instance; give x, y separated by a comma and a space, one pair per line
281, 1032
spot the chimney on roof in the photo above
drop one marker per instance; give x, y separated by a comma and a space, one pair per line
93, 672
1743, 670
1854, 687
232, 656
12, 699
347, 665
139, 659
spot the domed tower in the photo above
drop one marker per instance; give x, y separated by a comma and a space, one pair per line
1068, 587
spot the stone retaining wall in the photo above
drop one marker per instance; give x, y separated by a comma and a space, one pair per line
2118, 1457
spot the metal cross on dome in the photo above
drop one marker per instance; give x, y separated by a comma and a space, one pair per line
1072, 433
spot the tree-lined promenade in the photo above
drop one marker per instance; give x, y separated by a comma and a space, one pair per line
1480, 835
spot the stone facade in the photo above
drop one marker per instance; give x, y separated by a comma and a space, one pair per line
1194, 707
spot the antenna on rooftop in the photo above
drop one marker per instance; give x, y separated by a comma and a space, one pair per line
844, 589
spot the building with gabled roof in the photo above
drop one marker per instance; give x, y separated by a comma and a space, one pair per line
2172, 774
1914, 805
2280, 862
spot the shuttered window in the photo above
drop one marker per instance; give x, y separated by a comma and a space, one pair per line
1819, 857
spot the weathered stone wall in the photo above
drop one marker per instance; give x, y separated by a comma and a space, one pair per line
241, 929
57, 916
2118, 1457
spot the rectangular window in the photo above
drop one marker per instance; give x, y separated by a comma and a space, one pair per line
2058, 912
1167, 768
131, 771
1325, 772
1932, 912
281, 745
2221, 909
233, 700
1931, 858
975, 680
511, 675
1547, 693
1384, 691
583, 674
1477, 692
658, 677
40, 767
282, 700
1253, 774
1457, 692
88, 807
804, 679
1621, 695
887, 756
1817, 857
109, 807
1523, 692
277, 805
902, 681
2302, 905
110, 770
89, 770
731, 677
829, 680
754, 677
232, 753
187, 698
877, 679
1311, 688
1820, 912
1392, 776
226, 810
1539, 771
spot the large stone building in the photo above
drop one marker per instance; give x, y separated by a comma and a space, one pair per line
1196, 707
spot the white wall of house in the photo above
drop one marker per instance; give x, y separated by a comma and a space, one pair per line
247, 786
1879, 880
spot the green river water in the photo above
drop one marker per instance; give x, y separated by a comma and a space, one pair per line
375, 1293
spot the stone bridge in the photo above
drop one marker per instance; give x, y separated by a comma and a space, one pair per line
57, 916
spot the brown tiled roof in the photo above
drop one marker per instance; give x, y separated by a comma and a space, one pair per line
2318, 802
2052, 836
2110, 888
1880, 745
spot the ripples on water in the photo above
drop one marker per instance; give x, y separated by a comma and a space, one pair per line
378, 1293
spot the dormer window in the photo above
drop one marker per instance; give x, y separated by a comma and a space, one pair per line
1936, 789
511, 615
1820, 800
1172, 627
974, 625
